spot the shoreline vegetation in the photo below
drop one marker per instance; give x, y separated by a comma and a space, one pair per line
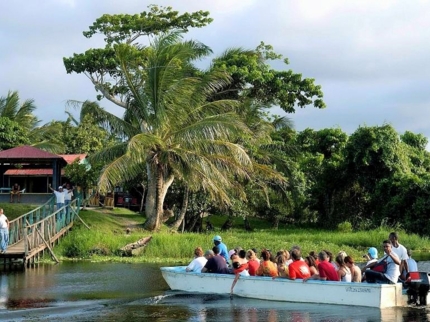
113, 229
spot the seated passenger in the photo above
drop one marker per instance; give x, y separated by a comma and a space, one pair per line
198, 262
325, 269
267, 267
215, 264
372, 259
281, 264
242, 256
355, 270
253, 262
343, 273
412, 265
239, 269
298, 268
392, 273
310, 260
15, 191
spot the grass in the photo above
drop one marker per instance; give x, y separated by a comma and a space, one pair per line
108, 235
14, 210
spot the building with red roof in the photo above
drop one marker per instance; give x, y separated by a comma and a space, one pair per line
33, 169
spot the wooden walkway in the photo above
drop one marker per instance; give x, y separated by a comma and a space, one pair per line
36, 232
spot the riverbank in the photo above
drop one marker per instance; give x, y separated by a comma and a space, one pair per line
110, 230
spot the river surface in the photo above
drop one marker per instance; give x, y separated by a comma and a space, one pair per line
83, 291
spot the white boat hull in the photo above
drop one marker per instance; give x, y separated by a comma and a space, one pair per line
265, 288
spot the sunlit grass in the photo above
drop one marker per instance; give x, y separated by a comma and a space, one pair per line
108, 234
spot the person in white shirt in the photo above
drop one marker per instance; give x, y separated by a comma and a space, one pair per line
412, 265
68, 194
4, 232
60, 196
198, 262
400, 250
391, 275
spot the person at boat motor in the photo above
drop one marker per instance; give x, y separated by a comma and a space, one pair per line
222, 247
400, 250
343, 272
239, 269
326, 270
253, 262
267, 267
198, 262
216, 264
298, 268
355, 270
392, 273
412, 265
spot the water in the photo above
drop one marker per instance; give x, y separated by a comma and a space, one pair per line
84, 291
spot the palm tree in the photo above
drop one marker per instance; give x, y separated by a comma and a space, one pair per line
169, 128
45, 137
22, 113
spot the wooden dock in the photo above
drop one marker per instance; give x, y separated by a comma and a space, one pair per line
36, 232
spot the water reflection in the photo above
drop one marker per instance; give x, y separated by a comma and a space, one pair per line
137, 292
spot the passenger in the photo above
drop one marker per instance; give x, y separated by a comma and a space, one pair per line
343, 273
342, 254
281, 264
312, 265
298, 268
267, 267
392, 274
295, 247
239, 270
315, 256
198, 262
215, 264
242, 256
412, 265
400, 251
355, 270
330, 258
253, 262
222, 247
231, 252
372, 258
325, 269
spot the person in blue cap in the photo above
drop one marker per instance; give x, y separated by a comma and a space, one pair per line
222, 247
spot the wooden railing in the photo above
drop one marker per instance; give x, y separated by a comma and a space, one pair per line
44, 232
16, 226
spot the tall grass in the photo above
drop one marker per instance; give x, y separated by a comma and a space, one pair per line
108, 235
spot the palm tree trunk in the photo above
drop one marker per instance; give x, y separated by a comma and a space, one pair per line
184, 206
158, 185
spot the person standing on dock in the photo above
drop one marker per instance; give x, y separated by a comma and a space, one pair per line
68, 194
60, 195
4, 232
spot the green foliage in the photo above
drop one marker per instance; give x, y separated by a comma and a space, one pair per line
11, 134
107, 235
253, 78
83, 174
344, 227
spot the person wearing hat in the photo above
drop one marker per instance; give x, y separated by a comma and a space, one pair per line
60, 195
372, 259
222, 247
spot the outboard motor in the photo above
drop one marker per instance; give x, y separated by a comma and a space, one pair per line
418, 285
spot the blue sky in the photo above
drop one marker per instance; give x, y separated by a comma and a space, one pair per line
370, 57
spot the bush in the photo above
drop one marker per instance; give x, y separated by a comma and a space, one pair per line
344, 227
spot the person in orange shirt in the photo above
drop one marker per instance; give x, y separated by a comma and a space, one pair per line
298, 268
267, 267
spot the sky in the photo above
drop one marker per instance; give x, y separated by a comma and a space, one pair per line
370, 57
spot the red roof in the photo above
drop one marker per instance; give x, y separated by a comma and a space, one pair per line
27, 152
30, 172
70, 158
